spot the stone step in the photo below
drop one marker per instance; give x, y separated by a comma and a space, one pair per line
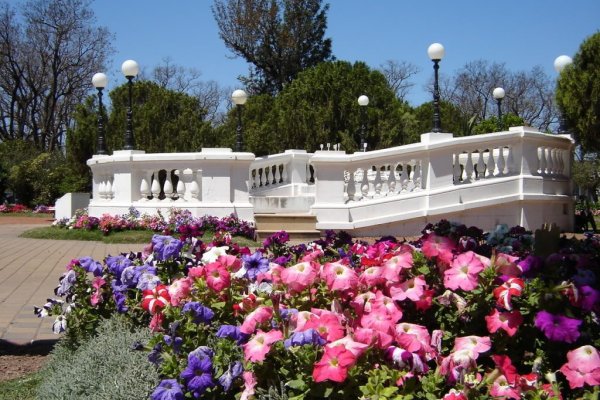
300, 227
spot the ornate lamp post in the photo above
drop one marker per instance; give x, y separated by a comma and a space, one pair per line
436, 53
130, 69
498, 94
239, 98
560, 63
363, 102
100, 81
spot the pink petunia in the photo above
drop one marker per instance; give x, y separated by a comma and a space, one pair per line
179, 290
334, 365
394, 264
97, 284
387, 305
507, 265
454, 394
582, 367
508, 321
411, 289
260, 344
328, 326
249, 384
300, 276
217, 276
230, 262
414, 338
362, 303
378, 320
372, 276
373, 337
464, 272
478, 344
438, 246
339, 277
259, 316
355, 347
501, 388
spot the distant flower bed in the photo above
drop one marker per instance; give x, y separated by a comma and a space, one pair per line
13, 208
179, 222
457, 314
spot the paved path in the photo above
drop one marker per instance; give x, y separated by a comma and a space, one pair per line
29, 272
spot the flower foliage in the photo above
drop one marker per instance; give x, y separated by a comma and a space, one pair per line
456, 314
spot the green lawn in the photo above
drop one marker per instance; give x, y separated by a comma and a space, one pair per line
134, 236
28, 214
23, 388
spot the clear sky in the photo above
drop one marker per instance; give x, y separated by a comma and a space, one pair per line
521, 34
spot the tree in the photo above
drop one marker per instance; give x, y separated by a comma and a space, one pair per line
397, 75
279, 38
320, 106
578, 94
164, 120
48, 55
528, 94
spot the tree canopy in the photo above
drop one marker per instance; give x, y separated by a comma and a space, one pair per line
279, 38
578, 94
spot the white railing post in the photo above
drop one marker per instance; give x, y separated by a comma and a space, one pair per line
437, 169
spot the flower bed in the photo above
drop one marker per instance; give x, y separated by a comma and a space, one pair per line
456, 314
179, 222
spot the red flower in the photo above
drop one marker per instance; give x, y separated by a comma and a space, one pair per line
155, 299
504, 293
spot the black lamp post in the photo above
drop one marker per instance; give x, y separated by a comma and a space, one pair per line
130, 69
498, 94
363, 102
100, 81
560, 63
436, 53
239, 98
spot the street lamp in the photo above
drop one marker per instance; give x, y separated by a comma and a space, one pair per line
560, 63
130, 69
498, 94
239, 98
363, 102
100, 81
436, 53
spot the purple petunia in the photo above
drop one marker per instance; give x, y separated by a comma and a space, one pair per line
200, 313
66, 282
166, 247
90, 265
254, 264
531, 265
234, 370
168, 389
558, 327
120, 302
198, 375
589, 297
116, 264
309, 336
232, 332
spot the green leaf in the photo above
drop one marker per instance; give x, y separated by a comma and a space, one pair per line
297, 384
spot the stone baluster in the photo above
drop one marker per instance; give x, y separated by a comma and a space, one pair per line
284, 173
469, 169
194, 187
155, 187
391, 181
543, 163
553, 161
255, 179
378, 182
511, 165
561, 161
145, 186
180, 189
351, 188
456, 169
480, 165
404, 178
501, 162
491, 164
364, 184
417, 176
358, 176
109, 188
102, 189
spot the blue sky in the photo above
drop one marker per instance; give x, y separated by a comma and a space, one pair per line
521, 34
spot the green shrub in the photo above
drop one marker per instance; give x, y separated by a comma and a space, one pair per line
104, 367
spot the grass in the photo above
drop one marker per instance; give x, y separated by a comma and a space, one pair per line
23, 388
28, 214
133, 236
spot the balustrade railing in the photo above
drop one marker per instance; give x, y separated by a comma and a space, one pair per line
279, 170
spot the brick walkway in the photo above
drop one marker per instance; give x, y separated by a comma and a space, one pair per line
29, 272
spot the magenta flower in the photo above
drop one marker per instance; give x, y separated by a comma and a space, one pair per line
507, 321
334, 364
558, 327
300, 276
339, 277
257, 348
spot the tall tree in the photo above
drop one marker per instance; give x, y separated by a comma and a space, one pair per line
48, 54
528, 93
578, 94
279, 38
398, 75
